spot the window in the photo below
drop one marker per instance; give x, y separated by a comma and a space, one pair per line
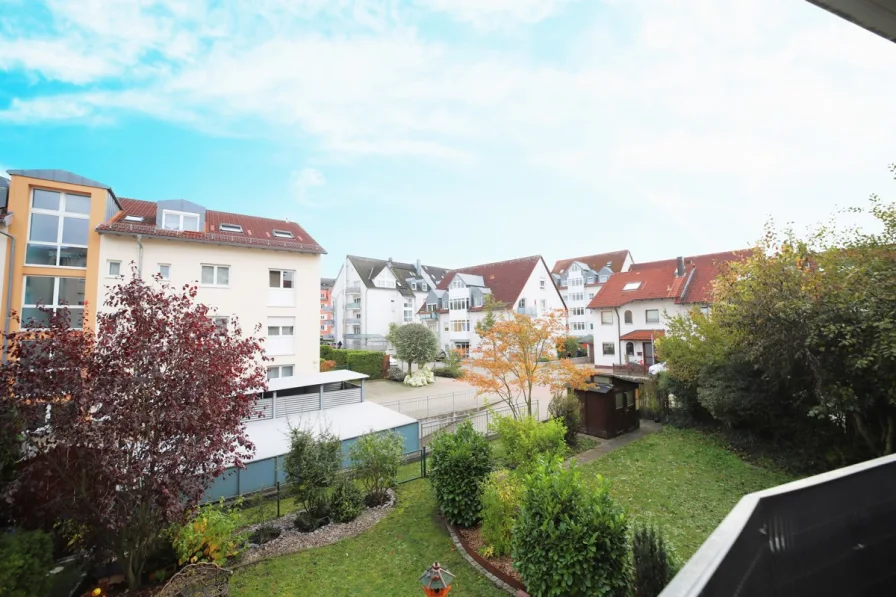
280, 330
460, 325
413, 286
630, 398
180, 220
578, 326
565, 298
323, 328
544, 304
408, 310
323, 316
221, 322
522, 303
606, 317
628, 316
114, 269
632, 286
279, 371
165, 271
608, 348
230, 228
620, 400
133, 218
323, 296
541, 284
384, 283
282, 233
591, 279
577, 311
58, 229
478, 301
456, 283
630, 348
652, 315
284, 279
52, 293
577, 296
603, 278
704, 310
423, 286
215, 275
458, 304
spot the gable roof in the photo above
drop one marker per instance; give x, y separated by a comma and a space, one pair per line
369, 268
506, 279
595, 262
658, 280
257, 232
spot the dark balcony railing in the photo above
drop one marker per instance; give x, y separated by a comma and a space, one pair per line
831, 534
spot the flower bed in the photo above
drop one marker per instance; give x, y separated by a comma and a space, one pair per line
501, 566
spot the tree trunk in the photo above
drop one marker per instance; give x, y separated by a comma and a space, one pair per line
866, 434
128, 568
890, 443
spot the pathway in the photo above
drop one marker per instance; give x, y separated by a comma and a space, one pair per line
608, 445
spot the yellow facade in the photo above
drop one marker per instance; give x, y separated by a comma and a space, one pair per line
19, 204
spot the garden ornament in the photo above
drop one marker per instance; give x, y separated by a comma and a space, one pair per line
436, 581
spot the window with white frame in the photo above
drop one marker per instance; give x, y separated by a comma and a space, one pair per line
323, 328
384, 283
478, 301
544, 304
606, 317
602, 279
591, 279
460, 325
627, 316
278, 371
230, 228
283, 279
408, 310
215, 275
180, 220
413, 285
113, 269
576, 311
457, 283
52, 293
577, 326
576, 296
165, 271
608, 348
280, 330
458, 304
632, 286
541, 284
282, 233
323, 316
590, 295
652, 315
424, 287
58, 229
565, 298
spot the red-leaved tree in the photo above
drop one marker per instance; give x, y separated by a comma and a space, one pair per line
125, 428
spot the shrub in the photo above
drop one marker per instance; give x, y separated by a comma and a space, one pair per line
501, 495
369, 362
326, 352
376, 458
261, 511
525, 439
211, 535
340, 355
327, 365
566, 408
460, 462
569, 540
311, 467
653, 562
451, 366
396, 373
445, 372
346, 501
25, 559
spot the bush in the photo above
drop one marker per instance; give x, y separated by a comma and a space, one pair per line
369, 362
211, 535
311, 467
419, 378
569, 540
25, 559
501, 496
460, 462
567, 409
396, 373
525, 439
262, 511
326, 352
451, 366
653, 562
327, 365
346, 501
444, 372
340, 356
376, 458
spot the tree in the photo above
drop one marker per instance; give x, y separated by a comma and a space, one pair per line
143, 415
517, 353
376, 458
414, 343
311, 466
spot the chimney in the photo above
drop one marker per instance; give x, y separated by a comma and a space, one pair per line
419, 268
679, 269
390, 262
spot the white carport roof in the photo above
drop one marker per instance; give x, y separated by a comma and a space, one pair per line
314, 379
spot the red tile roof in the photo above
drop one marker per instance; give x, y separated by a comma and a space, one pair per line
646, 335
257, 232
595, 262
658, 280
505, 278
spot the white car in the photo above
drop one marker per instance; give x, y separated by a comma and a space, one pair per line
656, 368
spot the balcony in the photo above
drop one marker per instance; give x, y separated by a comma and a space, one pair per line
352, 320
353, 305
429, 315
353, 288
531, 311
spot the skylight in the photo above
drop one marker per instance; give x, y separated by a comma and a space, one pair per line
283, 234
133, 218
632, 286
230, 228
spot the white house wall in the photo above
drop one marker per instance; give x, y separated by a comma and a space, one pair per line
611, 333
247, 295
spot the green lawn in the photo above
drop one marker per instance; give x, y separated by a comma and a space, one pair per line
681, 480
386, 560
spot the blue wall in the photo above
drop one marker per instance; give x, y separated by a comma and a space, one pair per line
265, 473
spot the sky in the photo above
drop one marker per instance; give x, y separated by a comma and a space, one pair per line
461, 132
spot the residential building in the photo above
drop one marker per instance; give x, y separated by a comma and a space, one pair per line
580, 279
632, 309
369, 294
326, 309
456, 305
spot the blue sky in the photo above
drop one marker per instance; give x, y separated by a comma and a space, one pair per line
460, 131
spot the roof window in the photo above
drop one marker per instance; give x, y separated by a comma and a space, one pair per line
283, 234
133, 218
230, 228
632, 286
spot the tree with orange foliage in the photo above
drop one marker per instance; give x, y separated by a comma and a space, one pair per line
517, 353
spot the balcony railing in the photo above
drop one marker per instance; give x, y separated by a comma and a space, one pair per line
353, 305
526, 311
353, 288
630, 369
353, 320
429, 315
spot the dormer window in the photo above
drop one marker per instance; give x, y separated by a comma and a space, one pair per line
180, 220
423, 286
413, 285
283, 234
632, 286
133, 218
230, 228
603, 278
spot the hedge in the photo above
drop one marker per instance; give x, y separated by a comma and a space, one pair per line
369, 362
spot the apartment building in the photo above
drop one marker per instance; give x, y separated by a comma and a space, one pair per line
369, 294
632, 308
75, 239
326, 309
456, 305
580, 279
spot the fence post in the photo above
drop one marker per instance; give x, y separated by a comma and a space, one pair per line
278, 499
424, 461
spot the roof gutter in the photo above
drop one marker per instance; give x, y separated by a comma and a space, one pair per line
216, 242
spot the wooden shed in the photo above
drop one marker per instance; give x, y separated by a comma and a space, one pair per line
609, 407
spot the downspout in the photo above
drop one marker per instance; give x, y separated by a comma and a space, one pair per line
9, 277
618, 334
140, 255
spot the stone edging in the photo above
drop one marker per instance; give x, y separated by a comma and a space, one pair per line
476, 565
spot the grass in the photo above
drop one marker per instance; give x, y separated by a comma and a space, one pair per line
681, 480
385, 560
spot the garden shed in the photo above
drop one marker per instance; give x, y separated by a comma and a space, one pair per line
609, 406
330, 401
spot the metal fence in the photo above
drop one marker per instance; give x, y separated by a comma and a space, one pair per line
480, 420
440, 404
831, 534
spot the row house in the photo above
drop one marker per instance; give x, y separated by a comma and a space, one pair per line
456, 305
633, 307
580, 279
370, 294
326, 309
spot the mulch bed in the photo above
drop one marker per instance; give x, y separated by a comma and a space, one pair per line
502, 565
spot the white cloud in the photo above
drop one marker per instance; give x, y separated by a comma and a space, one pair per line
303, 181
489, 14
